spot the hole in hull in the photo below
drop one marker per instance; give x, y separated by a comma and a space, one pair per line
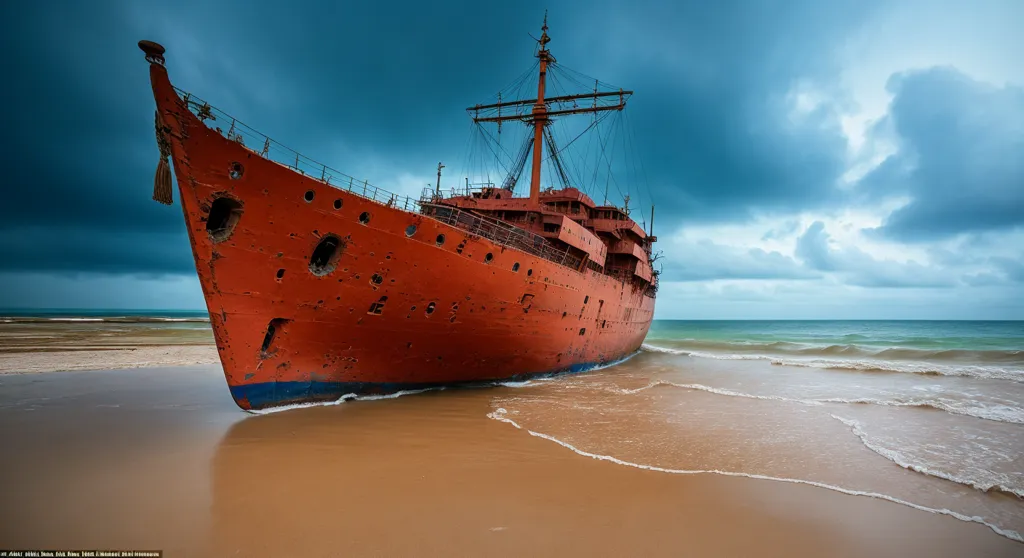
364, 217
308, 196
273, 328
325, 256
224, 216
440, 240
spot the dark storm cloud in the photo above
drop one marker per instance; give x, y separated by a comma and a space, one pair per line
714, 83
960, 157
345, 82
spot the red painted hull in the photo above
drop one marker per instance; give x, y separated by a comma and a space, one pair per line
330, 338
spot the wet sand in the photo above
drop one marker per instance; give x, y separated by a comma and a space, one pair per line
32, 344
160, 458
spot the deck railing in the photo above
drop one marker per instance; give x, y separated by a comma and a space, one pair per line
497, 231
501, 233
272, 150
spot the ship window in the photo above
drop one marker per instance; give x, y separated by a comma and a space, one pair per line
236, 171
377, 308
325, 256
280, 273
376, 279
308, 196
337, 203
488, 257
583, 330
440, 240
529, 272
364, 217
410, 230
224, 215
430, 308
515, 266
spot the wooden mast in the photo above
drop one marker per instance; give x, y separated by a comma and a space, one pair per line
540, 116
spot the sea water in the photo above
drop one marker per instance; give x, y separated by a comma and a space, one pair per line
927, 414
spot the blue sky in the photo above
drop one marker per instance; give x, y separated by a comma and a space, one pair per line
808, 159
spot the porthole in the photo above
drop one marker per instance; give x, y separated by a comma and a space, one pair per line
236, 171
515, 266
337, 203
529, 272
488, 257
308, 196
430, 308
280, 273
410, 230
440, 240
364, 217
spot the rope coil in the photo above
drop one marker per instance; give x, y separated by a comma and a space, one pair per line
162, 189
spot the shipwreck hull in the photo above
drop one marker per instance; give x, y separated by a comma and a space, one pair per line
315, 292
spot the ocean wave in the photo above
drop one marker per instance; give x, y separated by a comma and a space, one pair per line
501, 415
863, 365
105, 319
996, 413
984, 485
790, 348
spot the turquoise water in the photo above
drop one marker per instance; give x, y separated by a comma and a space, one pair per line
923, 335
48, 313
966, 348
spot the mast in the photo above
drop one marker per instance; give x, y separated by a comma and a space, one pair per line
437, 188
540, 116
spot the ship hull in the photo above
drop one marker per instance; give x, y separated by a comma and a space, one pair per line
402, 302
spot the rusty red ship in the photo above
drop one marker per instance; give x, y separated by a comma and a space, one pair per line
319, 285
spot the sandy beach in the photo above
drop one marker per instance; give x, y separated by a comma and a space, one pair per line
160, 458
54, 344
120, 433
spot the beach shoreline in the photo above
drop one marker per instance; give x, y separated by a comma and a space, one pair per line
172, 464
27, 361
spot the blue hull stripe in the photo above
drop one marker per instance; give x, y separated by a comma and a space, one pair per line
275, 394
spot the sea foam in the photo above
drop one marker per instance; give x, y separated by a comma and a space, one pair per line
500, 414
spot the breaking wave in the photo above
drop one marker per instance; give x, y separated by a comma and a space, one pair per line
988, 484
500, 415
997, 413
870, 364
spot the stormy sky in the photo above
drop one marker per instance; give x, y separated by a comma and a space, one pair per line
808, 159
